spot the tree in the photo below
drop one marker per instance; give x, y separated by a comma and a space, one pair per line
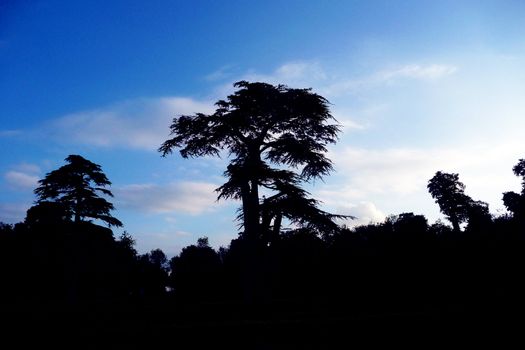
519, 170
196, 272
449, 194
158, 259
47, 213
153, 272
409, 226
76, 186
269, 132
515, 202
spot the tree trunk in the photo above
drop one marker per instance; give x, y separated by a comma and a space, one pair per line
266, 218
276, 230
77, 211
250, 196
245, 194
250, 208
455, 223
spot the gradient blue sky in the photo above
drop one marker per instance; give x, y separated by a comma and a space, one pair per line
419, 86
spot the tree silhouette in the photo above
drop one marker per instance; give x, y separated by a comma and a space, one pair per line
48, 213
195, 272
76, 186
158, 258
153, 272
515, 202
264, 128
449, 194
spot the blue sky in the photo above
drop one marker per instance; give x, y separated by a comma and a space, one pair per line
419, 86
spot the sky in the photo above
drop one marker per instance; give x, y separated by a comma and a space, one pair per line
418, 86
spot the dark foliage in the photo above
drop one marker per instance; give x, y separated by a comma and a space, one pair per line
76, 186
515, 202
196, 274
449, 194
261, 126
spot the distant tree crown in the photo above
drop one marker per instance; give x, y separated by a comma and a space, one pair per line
76, 186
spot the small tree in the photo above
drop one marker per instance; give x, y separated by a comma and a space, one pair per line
196, 272
76, 186
158, 259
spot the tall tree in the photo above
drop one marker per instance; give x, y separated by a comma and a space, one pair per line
76, 186
276, 138
448, 193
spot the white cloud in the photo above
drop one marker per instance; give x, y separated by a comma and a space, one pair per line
296, 74
405, 170
139, 124
416, 71
330, 84
143, 123
21, 180
364, 213
350, 85
396, 178
347, 122
28, 168
185, 197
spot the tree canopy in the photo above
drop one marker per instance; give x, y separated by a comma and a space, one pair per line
515, 202
449, 194
276, 138
76, 186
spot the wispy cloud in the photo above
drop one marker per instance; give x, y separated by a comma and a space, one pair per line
220, 74
186, 197
143, 123
314, 74
294, 74
407, 170
347, 122
416, 71
21, 180
27, 168
300, 71
291, 73
138, 124
23, 176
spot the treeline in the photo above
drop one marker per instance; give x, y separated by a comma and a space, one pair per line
304, 286
403, 264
